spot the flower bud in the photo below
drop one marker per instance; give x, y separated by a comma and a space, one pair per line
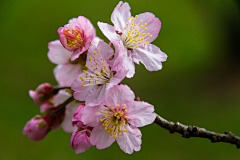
80, 140
42, 93
35, 128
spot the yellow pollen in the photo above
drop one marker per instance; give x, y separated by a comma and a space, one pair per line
106, 112
124, 105
132, 32
83, 71
124, 130
125, 117
86, 65
90, 58
125, 110
143, 34
81, 78
114, 133
94, 59
142, 38
115, 114
128, 18
136, 46
105, 128
145, 24
103, 124
98, 51
145, 28
135, 29
118, 117
91, 65
101, 111
119, 135
125, 27
135, 24
136, 16
114, 137
133, 42
80, 31
101, 120
106, 116
119, 130
85, 35
108, 131
94, 53
141, 21
98, 74
108, 106
110, 134
89, 80
150, 36
141, 26
125, 35
118, 105
124, 123
112, 108
132, 19
127, 23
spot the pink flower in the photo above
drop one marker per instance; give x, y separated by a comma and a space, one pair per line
36, 128
66, 71
91, 85
134, 34
80, 140
118, 118
77, 35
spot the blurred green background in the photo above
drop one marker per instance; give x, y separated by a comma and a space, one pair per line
198, 85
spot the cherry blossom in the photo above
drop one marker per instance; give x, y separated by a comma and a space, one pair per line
77, 35
118, 118
90, 86
134, 35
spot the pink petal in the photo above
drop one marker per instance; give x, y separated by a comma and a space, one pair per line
61, 97
101, 138
72, 21
96, 95
119, 94
95, 41
92, 114
140, 114
117, 78
80, 142
120, 52
129, 65
153, 24
65, 74
151, 56
130, 140
67, 122
108, 31
57, 53
82, 95
77, 117
120, 15
79, 51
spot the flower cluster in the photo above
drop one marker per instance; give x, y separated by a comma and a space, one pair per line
89, 100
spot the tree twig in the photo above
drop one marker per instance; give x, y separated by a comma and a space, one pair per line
188, 131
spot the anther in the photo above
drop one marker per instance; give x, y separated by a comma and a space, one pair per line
106, 112
94, 53
124, 105
108, 106
98, 51
125, 117
101, 120
101, 111
145, 28
81, 78
86, 65
136, 16
118, 105
125, 110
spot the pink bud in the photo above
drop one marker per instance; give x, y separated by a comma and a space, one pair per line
76, 120
42, 93
36, 128
80, 140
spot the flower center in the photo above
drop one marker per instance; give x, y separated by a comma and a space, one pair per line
98, 72
134, 35
115, 120
75, 37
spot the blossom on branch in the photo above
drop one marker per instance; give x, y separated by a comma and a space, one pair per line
134, 35
90, 86
118, 118
77, 35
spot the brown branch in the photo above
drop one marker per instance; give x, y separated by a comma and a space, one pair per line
188, 131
